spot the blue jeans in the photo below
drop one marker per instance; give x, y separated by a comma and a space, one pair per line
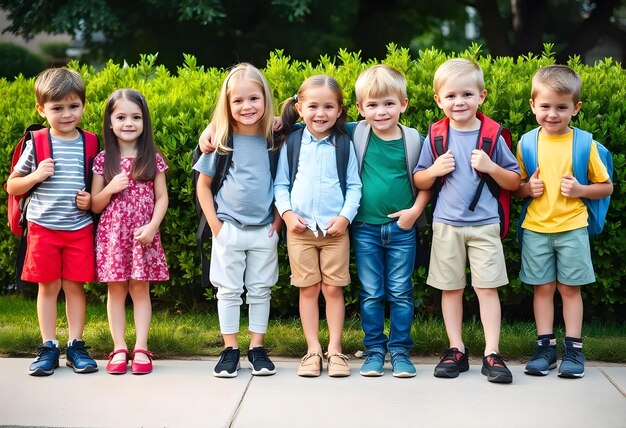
385, 255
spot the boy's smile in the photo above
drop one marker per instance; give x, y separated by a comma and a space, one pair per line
459, 98
383, 114
554, 111
63, 116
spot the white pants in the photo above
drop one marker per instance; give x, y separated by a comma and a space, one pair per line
244, 257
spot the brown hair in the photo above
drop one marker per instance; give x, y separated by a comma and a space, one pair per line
55, 84
558, 78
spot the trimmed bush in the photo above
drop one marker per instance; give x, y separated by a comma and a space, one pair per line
181, 105
16, 60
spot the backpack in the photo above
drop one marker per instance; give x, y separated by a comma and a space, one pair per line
488, 136
342, 155
223, 163
581, 149
18, 204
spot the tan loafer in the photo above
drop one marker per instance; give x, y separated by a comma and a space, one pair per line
338, 365
311, 365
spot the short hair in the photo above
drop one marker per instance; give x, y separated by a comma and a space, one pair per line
458, 67
380, 81
56, 84
222, 116
559, 78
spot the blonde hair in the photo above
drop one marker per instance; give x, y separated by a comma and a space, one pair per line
222, 116
56, 84
380, 81
559, 78
455, 68
289, 114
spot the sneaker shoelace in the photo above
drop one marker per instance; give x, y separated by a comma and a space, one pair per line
80, 351
542, 353
229, 356
573, 356
370, 356
310, 355
451, 355
260, 355
42, 351
495, 360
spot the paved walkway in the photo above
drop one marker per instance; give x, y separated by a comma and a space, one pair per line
185, 394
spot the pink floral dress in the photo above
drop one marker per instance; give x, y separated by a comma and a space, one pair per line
119, 256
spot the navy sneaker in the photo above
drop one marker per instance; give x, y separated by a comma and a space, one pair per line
495, 369
78, 358
573, 363
228, 363
401, 364
544, 359
46, 361
260, 363
374, 363
452, 363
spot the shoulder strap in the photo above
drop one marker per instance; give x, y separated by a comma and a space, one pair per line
294, 141
42, 144
581, 150
222, 166
342, 155
90, 150
438, 136
528, 149
360, 140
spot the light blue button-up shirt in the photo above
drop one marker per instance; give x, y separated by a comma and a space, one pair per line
316, 194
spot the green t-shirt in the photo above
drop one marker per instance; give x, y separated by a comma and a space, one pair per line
386, 188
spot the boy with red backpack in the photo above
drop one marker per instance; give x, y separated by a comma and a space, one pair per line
466, 218
567, 183
60, 252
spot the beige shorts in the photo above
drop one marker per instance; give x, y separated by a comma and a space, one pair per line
323, 259
454, 245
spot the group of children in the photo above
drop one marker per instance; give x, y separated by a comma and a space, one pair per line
321, 177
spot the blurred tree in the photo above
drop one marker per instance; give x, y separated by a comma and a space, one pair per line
220, 32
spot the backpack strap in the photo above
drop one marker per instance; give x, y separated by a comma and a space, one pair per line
360, 139
90, 150
342, 155
488, 136
294, 142
581, 151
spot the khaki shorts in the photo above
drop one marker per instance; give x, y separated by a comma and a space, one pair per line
454, 245
323, 259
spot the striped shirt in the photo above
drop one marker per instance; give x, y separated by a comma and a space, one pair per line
53, 203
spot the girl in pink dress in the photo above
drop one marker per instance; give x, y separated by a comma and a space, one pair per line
129, 190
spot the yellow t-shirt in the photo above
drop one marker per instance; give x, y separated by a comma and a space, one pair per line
552, 212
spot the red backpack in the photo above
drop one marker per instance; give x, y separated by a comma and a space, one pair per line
488, 135
40, 136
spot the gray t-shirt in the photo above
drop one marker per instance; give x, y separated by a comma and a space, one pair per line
460, 185
247, 195
53, 202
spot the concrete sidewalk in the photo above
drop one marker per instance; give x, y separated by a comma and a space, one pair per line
185, 394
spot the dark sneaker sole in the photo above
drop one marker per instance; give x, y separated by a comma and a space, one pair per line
40, 372
571, 375
536, 372
262, 372
449, 374
498, 377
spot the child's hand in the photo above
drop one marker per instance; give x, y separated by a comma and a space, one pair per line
481, 161
277, 125
443, 165
294, 223
535, 185
205, 143
118, 183
570, 187
83, 200
145, 234
406, 218
45, 169
337, 226
277, 224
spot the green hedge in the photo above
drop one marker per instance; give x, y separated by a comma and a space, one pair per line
181, 105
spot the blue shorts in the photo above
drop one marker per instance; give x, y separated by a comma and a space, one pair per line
564, 257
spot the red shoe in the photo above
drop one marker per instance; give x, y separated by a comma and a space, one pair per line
141, 368
117, 368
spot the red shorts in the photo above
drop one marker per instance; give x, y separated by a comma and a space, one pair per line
56, 254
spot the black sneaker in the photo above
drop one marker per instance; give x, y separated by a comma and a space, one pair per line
228, 363
452, 363
495, 369
260, 363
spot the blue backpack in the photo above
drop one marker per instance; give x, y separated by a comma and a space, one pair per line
596, 208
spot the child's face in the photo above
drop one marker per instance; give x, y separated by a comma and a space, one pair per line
459, 99
382, 113
127, 121
63, 115
247, 105
320, 109
554, 111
